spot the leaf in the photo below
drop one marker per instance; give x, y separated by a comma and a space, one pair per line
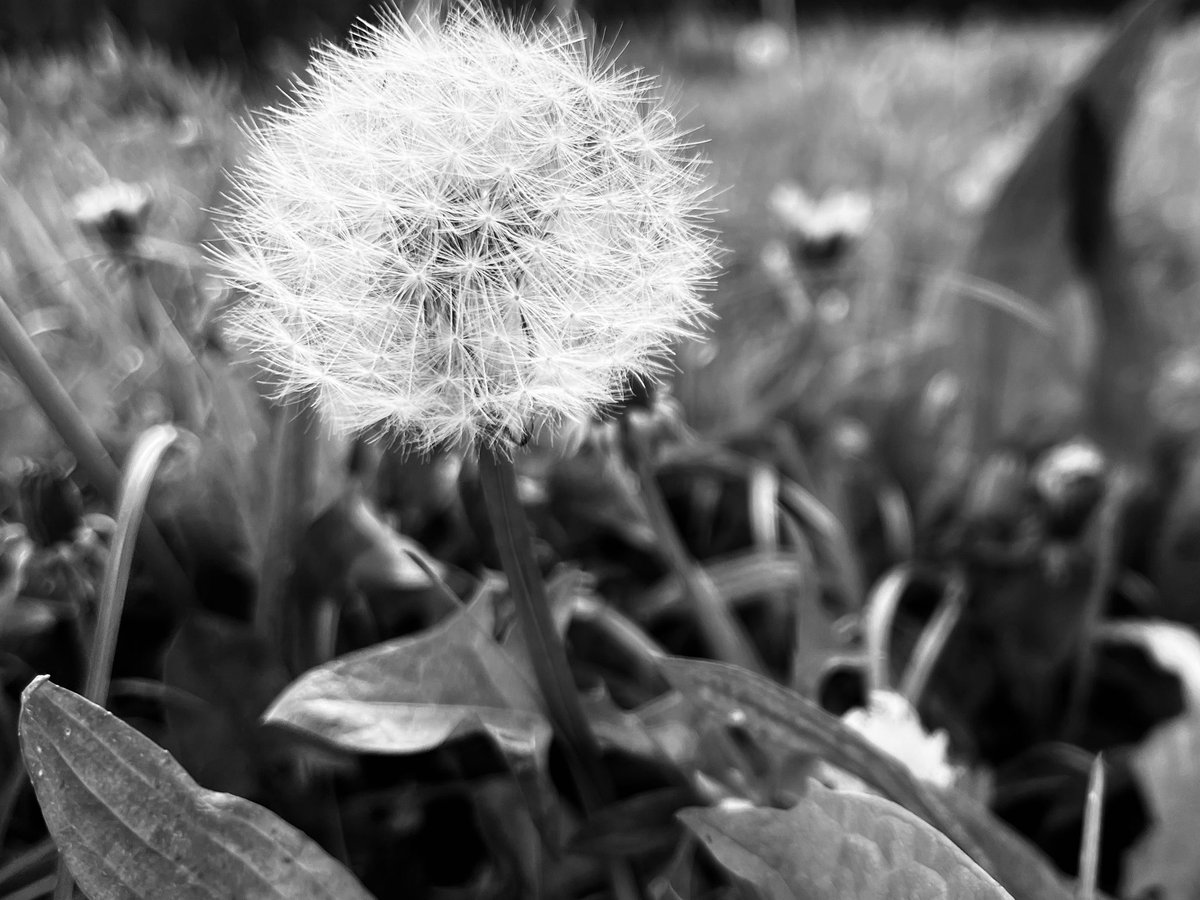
1014, 862
1048, 233
1174, 647
351, 558
776, 717
779, 718
416, 693
1167, 765
132, 824
836, 845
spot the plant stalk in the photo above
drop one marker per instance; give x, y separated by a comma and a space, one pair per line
551, 667
546, 651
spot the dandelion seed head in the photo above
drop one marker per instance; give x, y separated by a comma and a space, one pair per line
466, 231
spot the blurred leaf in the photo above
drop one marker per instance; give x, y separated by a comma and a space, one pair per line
780, 719
1050, 224
836, 845
1173, 646
132, 824
351, 542
351, 558
222, 662
1015, 863
1167, 765
637, 827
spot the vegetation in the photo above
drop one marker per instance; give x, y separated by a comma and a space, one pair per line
284, 663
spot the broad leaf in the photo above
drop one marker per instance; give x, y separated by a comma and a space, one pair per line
783, 720
132, 824
1167, 766
1049, 240
414, 694
835, 845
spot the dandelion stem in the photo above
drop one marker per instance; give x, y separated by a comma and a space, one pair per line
546, 650
551, 667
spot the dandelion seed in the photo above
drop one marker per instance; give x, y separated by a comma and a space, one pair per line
465, 231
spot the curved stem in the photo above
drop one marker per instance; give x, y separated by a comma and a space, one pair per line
131, 507
721, 630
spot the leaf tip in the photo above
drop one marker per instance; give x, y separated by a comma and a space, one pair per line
36, 683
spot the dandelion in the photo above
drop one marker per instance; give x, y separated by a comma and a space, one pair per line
822, 230
465, 232
115, 211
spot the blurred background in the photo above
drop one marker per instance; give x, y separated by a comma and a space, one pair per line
235, 31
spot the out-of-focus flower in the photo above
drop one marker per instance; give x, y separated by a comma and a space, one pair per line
1070, 480
891, 724
116, 212
465, 231
1175, 398
822, 230
762, 45
16, 549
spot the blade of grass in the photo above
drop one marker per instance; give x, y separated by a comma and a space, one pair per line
93, 460
1089, 850
932, 641
1104, 576
291, 507
722, 632
135, 486
39, 888
878, 616
39, 855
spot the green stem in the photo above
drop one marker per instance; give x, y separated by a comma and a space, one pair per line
551, 667
546, 651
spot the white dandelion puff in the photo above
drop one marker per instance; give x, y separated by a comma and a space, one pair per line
466, 231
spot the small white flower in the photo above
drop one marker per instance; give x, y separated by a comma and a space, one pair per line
891, 724
465, 231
